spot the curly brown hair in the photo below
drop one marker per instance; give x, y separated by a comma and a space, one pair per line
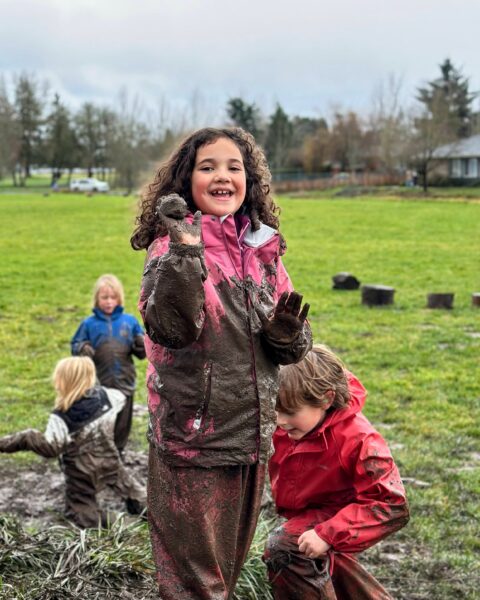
175, 175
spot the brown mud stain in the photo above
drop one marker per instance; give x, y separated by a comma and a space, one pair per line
35, 494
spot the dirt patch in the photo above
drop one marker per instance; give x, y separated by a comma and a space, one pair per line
36, 493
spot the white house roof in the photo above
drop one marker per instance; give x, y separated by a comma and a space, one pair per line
466, 148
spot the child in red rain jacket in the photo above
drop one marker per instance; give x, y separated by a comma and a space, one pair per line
334, 480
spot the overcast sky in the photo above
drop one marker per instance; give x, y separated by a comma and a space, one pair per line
308, 55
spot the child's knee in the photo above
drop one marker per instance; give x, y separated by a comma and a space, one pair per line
278, 549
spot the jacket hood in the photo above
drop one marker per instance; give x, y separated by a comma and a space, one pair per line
92, 405
117, 311
358, 395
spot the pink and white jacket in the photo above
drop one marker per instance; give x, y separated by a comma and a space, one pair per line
212, 374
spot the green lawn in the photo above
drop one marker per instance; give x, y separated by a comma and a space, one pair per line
420, 366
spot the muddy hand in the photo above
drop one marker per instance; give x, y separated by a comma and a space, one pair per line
87, 350
288, 318
171, 211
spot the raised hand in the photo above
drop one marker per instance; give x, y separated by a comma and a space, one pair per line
171, 211
288, 318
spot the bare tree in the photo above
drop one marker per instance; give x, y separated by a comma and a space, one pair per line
390, 125
346, 141
132, 142
430, 130
316, 149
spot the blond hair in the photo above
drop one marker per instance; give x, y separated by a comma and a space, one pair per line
308, 382
112, 282
71, 378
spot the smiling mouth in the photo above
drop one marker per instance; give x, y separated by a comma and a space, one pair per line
221, 193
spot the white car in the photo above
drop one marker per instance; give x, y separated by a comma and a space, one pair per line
89, 184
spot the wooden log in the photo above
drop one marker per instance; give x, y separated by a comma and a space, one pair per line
377, 295
345, 281
476, 299
440, 300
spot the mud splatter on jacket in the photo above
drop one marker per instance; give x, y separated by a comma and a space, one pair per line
212, 377
345, 470
114, 339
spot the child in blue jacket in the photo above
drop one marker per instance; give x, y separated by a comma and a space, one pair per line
110, 337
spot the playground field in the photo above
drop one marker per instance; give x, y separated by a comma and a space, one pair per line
420, 366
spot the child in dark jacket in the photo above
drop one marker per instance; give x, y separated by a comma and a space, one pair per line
220, 315
80, 431
110, 337
334, 480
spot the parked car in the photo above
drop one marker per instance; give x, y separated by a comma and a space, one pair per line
89, 184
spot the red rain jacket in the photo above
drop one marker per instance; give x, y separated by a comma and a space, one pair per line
343, 469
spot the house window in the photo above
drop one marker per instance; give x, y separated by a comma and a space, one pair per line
472, 168
456, 167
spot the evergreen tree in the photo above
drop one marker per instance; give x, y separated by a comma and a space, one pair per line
10, 139
28, 109
61, 148
87, 128
245, 115
449, 96
278, 139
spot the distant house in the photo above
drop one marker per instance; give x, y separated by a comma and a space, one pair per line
459, 160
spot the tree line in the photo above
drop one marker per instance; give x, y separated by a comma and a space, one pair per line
38, 129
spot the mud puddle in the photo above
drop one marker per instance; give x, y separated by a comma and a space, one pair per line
35, 493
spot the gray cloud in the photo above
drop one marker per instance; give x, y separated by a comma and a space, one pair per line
305, 54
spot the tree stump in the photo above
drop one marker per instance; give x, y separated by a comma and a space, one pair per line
440, 300
345, 281
476, 299
377, 295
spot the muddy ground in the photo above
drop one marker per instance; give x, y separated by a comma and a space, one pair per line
36, 493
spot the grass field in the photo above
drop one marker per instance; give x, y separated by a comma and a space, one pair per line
420, 366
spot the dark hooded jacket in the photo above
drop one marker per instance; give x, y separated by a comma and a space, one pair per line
212, 377
113, 338
83, 437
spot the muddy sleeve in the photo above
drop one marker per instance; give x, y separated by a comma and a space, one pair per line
117, 399
173, 296
80, 341
292, 350
138, 346
380, 506
50, 444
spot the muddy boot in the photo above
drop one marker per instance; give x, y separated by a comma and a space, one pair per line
134, 507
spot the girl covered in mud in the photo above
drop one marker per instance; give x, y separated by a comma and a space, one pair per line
80, 431
110, 337
221, 316
346, 496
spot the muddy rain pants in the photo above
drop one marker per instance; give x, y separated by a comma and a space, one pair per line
202, 522
295, 577
81, 490
123, 424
